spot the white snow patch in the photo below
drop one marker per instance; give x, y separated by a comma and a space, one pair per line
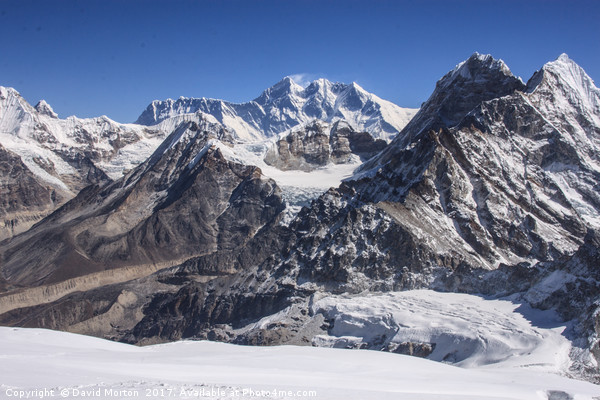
469, 331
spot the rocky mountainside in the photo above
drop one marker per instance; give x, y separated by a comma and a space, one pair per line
457, 203
287, 104
62, 155
187, 199
66, 155
24, 198
317, 144
510, 185
491, 189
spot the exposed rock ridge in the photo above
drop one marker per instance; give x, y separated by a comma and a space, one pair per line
318, 144
185, 200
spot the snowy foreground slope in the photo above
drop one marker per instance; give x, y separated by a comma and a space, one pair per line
36, 362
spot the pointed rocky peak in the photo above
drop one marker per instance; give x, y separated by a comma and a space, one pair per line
567, 76
186, 134
357, 88
473, 81
44, 108
14, 110
320, 85
283, 88
352, 89
478, 67
478, 79
564, 64
355, 97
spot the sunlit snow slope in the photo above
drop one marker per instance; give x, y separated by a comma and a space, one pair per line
69, 365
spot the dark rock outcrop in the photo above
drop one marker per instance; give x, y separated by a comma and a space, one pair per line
318, 144
24, 198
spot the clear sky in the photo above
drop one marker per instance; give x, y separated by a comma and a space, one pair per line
113, 57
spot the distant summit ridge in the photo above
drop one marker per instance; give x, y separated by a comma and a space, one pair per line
285, 87
287, 104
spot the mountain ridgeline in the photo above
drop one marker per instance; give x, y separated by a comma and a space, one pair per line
491, 188
287, 104
62, 156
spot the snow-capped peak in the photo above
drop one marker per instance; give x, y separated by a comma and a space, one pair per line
11, 100
287, 104
283, 88
44, 108
5, 92
567, 74
356, 86
478, 78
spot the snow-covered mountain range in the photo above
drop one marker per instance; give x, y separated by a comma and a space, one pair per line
287, 104
62, 156
491, 189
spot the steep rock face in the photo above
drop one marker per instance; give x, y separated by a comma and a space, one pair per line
24, 198
572, 288
66, 155
493, 175
287, 104
317, 144
346, 140
185, 200
567, 97
304, 149
44, 108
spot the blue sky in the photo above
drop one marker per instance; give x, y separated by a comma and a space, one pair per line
89, 57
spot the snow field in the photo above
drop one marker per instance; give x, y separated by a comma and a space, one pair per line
37, 362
